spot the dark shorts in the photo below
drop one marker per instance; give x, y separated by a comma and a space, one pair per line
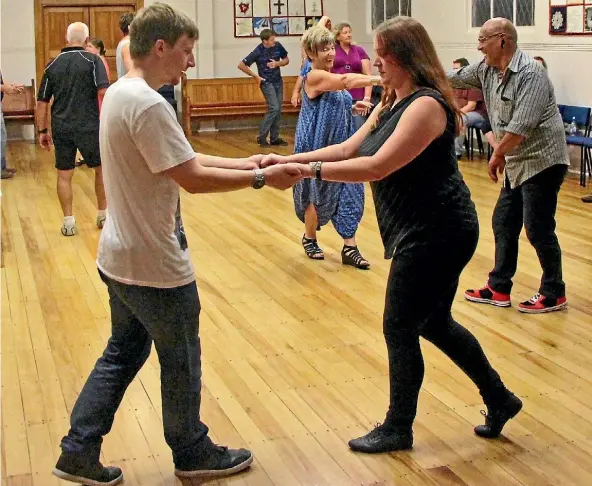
66, 143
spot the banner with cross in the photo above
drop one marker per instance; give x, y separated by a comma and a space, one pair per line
284, 17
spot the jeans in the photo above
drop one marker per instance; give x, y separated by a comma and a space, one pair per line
3, 138
274, 96
471, 119
421, 287
532, 204
140, 315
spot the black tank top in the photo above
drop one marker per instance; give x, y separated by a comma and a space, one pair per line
427, 201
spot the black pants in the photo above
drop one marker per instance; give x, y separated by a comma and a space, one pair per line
421, 287
532, 204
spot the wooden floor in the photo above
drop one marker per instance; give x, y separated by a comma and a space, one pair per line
294, 362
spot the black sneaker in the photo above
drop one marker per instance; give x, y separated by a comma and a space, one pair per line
262, 142
383, 439
279, 141
75, 468
218, 461
496, 417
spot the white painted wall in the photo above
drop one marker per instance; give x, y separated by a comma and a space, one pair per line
218, 53
229, 51
569, 58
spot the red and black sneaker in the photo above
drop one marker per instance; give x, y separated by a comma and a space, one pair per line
486, 295
540, 304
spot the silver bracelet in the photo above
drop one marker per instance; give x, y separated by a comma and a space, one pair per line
315, 168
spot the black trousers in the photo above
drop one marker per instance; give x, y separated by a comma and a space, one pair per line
533, 205
421, 287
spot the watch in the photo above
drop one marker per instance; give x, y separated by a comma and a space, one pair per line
42, 131
258, 180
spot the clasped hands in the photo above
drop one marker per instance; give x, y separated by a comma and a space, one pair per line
278, 171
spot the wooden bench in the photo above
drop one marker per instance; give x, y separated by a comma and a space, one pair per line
20, 107
208, 99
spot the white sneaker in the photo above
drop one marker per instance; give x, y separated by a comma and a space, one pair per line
101, 221
68, 230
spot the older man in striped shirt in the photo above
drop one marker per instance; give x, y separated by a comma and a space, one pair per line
531, 148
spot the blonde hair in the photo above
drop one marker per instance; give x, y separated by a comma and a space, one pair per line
159, 21
338, 28
317, 38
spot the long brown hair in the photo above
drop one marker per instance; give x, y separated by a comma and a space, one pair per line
407, 41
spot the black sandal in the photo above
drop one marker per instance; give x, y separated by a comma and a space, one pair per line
312, 249
350, 255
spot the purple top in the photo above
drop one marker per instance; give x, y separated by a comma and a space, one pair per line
350, 62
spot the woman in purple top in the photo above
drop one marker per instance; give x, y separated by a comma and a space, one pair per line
350, 58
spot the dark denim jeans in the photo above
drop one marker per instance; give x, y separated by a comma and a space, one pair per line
532, 204
140, 315
274, 96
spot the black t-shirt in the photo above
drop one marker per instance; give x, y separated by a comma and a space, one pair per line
427, 200
73, 79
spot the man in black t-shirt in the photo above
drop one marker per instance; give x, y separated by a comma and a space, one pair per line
75, 80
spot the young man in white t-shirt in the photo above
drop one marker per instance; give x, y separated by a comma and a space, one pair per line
144, 261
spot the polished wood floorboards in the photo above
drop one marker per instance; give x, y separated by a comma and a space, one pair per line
294, 362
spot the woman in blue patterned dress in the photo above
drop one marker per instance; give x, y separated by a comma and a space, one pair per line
326, 119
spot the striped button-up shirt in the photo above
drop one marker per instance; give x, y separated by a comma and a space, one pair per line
520, 101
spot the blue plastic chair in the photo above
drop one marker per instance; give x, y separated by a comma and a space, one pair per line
582, 116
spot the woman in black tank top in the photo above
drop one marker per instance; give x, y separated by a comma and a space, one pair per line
428, 225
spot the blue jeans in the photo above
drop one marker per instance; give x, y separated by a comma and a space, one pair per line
3, 138
274, 96
471, 119
140, 315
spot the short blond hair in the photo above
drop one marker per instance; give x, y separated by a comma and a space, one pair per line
317, 38
159, 21
339, 27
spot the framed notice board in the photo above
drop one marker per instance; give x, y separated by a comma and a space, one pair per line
570, 17
284, 17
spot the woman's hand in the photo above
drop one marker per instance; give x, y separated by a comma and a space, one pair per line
273, 159
362, 108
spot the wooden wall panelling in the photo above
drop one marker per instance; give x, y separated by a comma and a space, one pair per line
102, 16
104, 25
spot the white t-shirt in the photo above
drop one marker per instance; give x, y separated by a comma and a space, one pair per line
143, 241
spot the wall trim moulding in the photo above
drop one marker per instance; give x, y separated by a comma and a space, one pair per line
527, 46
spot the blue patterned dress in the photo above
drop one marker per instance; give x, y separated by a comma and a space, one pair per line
327, 120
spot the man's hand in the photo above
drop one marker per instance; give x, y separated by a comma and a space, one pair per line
45, 141
273, 159
273, 64
362, 108
260, 79
295, 100
13, 88
497, 164
250, 163
282, 176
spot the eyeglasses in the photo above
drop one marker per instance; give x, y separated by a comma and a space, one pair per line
482, 40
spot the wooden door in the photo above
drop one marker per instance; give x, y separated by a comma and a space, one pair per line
52, 18
104, 25
55, 23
